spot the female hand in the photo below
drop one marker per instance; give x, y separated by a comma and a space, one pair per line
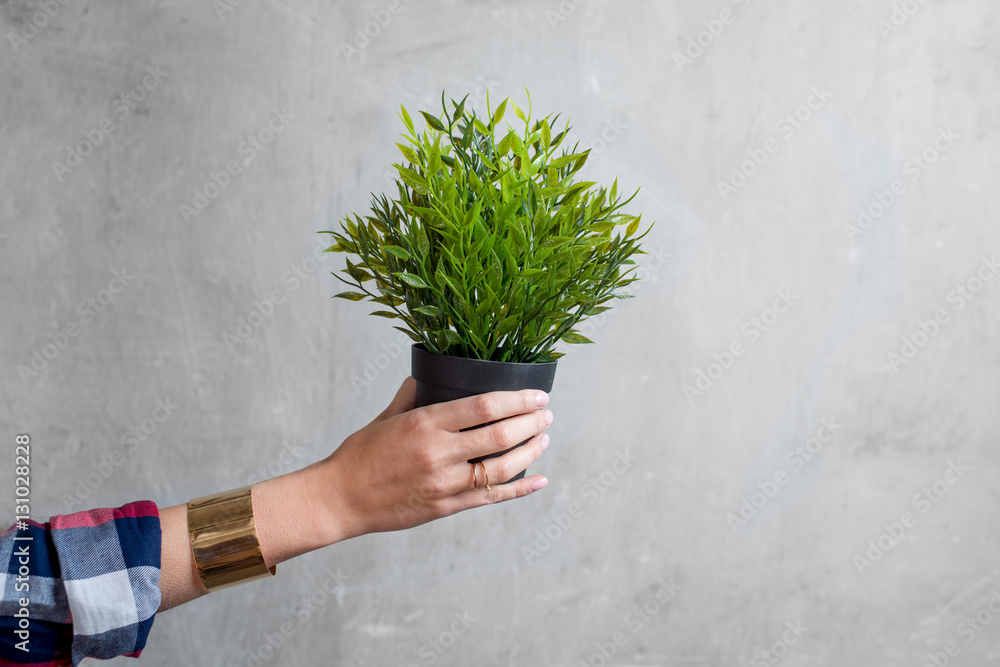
411, 465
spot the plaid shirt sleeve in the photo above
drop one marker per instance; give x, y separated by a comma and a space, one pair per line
92, 582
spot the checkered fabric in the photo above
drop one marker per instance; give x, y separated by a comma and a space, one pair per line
92, 582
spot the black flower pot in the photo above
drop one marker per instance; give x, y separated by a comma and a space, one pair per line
443, 378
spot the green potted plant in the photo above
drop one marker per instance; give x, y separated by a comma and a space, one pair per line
491, 251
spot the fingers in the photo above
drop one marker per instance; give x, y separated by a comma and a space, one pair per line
404, 400
499, 493
475, 410
503, 468
468, 476
502, 435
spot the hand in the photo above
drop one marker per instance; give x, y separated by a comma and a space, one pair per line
410, 465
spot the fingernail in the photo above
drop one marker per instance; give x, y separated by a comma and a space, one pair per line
542, 398
545, 441
548, 417
539, 484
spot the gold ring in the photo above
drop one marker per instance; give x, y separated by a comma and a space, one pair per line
486, 475
475, 478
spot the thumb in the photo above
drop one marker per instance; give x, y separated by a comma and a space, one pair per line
404, 401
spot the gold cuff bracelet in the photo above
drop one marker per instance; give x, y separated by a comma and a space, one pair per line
224, 539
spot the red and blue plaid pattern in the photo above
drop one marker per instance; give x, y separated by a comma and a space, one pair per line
94, 585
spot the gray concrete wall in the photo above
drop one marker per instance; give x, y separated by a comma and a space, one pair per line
656, 565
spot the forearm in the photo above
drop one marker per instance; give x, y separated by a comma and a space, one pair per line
407, 467
287, 522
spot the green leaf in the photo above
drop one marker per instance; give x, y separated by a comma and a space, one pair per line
407, 121
576, 339
459, 294
441, 339
409, 153
389, 300
433, 122
504, 146
397, 251
386, 314
429, 311
478, 125
411, 280
351, 296
423, 245
517, 234
546, 136
632, 228
556, 241
412, 336
452, 337
577, 188
498, 114
356, 273
414, 180
460, 107
566, 159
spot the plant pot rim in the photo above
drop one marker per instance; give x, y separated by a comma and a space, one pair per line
476, 376
469, 360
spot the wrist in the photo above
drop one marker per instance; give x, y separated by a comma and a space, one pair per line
289, 520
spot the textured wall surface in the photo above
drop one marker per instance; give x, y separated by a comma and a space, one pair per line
827, 494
